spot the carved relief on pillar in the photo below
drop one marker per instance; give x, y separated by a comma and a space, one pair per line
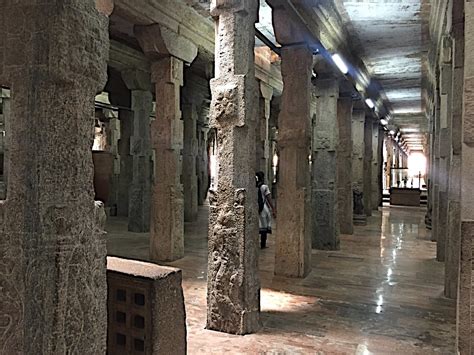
233, 292
51, 236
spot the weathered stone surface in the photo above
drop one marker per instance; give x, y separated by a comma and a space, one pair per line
190, 151
377, 161
344, 166
158, 41
163, 310
293, 240
53, 288
325, 188
464, 322
139, 83
167, 214
358, 153
233, 286
126, 161
367, 183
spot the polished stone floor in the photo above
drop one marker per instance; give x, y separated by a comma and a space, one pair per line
381, 293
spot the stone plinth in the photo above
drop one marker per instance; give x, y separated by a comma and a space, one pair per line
324, 200
293, 239
344, 166
145, 308
53, 281
233, 287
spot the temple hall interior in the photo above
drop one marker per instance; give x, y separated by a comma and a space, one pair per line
236, 177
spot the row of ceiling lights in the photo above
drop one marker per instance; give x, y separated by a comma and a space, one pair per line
342, 66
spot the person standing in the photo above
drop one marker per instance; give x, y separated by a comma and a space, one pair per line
265, 209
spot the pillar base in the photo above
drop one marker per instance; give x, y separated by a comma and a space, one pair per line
360, 220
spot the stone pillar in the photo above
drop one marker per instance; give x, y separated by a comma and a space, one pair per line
168, 51
444, 163
53, 290
436, 171
324, 201
463, 19
126, 161
139, 84
190, 181
377, 161
233, 288
263, 131
293, 240
203, 154
344, 166
195, 91
358, 153
454, 190
367, 183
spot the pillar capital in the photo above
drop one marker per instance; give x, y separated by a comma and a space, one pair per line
287, 31
218, 7
158, 41
136, 79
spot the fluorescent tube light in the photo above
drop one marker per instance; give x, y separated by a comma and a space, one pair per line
370, 103
340, 63
384, 122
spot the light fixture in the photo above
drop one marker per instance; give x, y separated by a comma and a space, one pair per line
392, 132
340, 63
370, 103
384, 122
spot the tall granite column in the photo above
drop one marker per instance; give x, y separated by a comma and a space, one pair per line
203, 154
139, 84
377, 161
463, 24
126, 161
344, 166
436, 169
445, 155
190, 182
367, 183
53, 293
263, 131
233, 287
293, 238
358, 153
168, 51
324, 189
454, 189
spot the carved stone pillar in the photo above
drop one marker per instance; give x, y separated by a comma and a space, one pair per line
53, 289
445, 158
463, 25
5, 97
358, 152
377, 161
140, 150
233, 288
367, 183
293, 240
168, 51
126, 161
324, 201
344, 166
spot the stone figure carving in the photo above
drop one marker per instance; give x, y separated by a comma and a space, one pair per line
358, 201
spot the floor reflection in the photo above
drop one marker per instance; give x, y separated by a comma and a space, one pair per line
382, 293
